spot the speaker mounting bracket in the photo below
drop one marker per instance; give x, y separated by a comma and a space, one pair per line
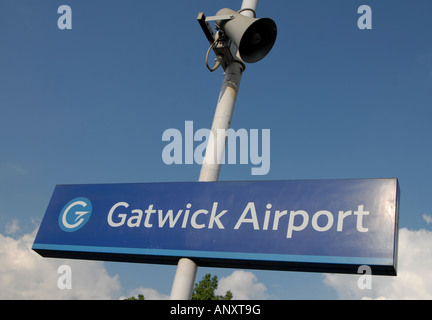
221, 45
220, 18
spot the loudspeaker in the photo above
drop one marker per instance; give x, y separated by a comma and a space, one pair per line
253, 37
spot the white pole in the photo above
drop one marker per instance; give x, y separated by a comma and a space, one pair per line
221, 123
186, 269
249, 7
184, 280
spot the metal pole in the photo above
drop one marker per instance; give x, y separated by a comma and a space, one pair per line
249, 7
186, 269
184, 280
221, 122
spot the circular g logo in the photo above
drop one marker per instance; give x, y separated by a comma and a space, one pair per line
75, 214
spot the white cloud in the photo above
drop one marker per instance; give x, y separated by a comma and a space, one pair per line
427, 218
414, 279
243, 285
12, 227
26, 275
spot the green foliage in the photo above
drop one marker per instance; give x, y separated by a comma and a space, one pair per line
205, 289
140, 297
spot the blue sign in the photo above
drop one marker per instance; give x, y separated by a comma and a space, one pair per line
311, 225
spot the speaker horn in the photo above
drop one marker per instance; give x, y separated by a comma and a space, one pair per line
253, 37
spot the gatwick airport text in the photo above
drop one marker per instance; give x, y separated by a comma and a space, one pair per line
122, 214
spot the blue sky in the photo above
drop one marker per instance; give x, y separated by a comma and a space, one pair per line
89, 105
